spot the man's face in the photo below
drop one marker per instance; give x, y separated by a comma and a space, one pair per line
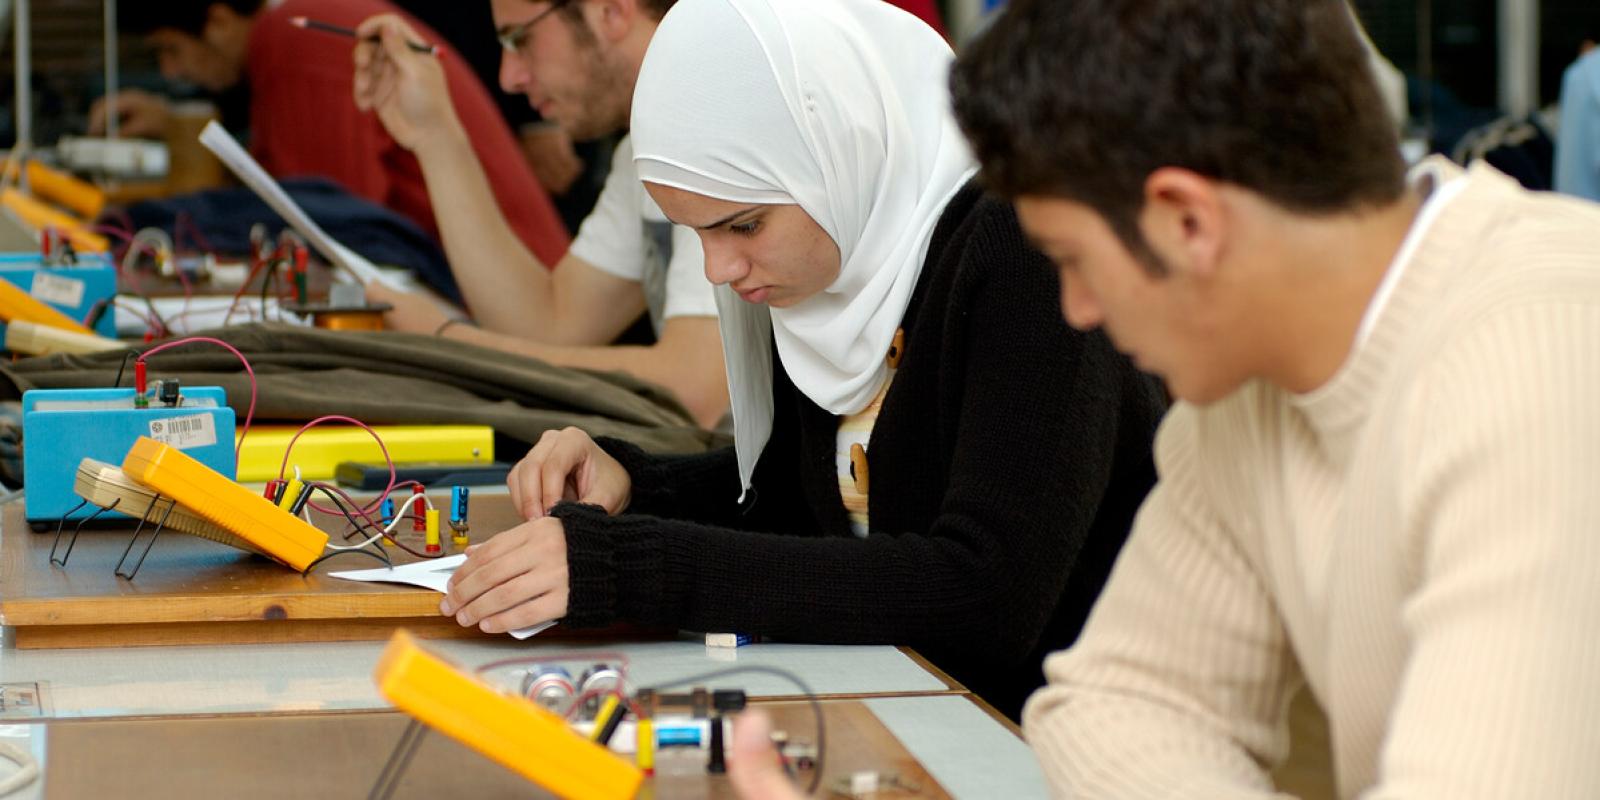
1169, 325
192, 59
562, 67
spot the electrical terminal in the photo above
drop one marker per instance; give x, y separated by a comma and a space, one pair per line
430, 534
419, 523
458, 517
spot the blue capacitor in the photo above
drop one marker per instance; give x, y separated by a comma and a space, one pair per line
458, 505
386, 511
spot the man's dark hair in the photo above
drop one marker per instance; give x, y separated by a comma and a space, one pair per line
574, 14
184, 16
1083, 99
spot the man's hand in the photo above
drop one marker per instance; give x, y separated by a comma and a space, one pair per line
516, 579
549, 151
568, 465
405, 87
139, 115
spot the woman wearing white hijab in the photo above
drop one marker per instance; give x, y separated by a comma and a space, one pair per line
810, 144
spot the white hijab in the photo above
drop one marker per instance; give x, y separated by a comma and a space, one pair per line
838, 106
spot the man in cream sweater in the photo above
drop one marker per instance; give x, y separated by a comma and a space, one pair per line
1380, 481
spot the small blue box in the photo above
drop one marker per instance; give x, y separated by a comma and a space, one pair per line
61, 427
73, 290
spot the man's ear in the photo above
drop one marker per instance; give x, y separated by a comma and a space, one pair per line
222, 25
1184, 220
613, 19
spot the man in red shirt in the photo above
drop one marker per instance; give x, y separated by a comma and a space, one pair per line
302, 121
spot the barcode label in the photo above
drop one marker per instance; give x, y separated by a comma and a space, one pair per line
196, 430
56, 289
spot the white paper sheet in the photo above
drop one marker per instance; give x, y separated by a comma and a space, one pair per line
217, 139
432, 574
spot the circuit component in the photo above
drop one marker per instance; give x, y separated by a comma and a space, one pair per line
246, 514
513, 731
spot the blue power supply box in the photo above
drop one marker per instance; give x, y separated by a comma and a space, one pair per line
73, 290
61, 427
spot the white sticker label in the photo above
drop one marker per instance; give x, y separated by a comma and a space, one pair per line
184, 432
56, 289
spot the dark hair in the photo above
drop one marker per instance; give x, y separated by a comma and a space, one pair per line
656, 8
184, 16
1083, 99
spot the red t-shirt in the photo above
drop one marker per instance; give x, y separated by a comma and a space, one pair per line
303, 121
927, 10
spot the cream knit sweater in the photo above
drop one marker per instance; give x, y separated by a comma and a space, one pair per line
1419, 539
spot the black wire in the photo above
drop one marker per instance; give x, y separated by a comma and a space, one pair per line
125, 357
380, 555
811, 697
363, 524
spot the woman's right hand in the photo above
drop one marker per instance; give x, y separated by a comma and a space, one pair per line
568, 465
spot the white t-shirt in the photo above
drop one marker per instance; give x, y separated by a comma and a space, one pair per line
627, 236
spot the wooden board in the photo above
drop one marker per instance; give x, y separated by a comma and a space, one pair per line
340, 755
193, 591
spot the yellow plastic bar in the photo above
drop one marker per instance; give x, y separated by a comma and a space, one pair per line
19, 306
41, 215
206, 492
514, 731
319, 450
83, 198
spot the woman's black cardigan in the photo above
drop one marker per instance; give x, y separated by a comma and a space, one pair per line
1005, 467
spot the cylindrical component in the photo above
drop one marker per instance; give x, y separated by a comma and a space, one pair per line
141, 384
386, 511
607, 720
645, 745
458, 505
300, 293
291, 493
274, 489
430, 535
299, 503
417, 520
549, 686
601, 679
716, 763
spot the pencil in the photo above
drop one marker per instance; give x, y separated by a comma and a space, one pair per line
326, 27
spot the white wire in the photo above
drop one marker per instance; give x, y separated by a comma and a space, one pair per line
27, 768
398, 516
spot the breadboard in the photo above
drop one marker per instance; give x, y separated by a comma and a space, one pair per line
514, 731
105, 485
276, 532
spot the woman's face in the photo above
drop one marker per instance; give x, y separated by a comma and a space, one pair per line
772, 254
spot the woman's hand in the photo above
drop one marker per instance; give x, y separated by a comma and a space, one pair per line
568, 465
516, 579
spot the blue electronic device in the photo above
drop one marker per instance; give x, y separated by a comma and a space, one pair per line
72, 289
61, 427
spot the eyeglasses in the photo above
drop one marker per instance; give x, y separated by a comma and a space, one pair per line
512, 39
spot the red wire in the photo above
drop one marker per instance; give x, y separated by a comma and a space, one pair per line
284, 467
250, 414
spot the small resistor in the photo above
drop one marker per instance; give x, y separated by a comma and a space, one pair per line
458, 516
417, 523
430, 535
